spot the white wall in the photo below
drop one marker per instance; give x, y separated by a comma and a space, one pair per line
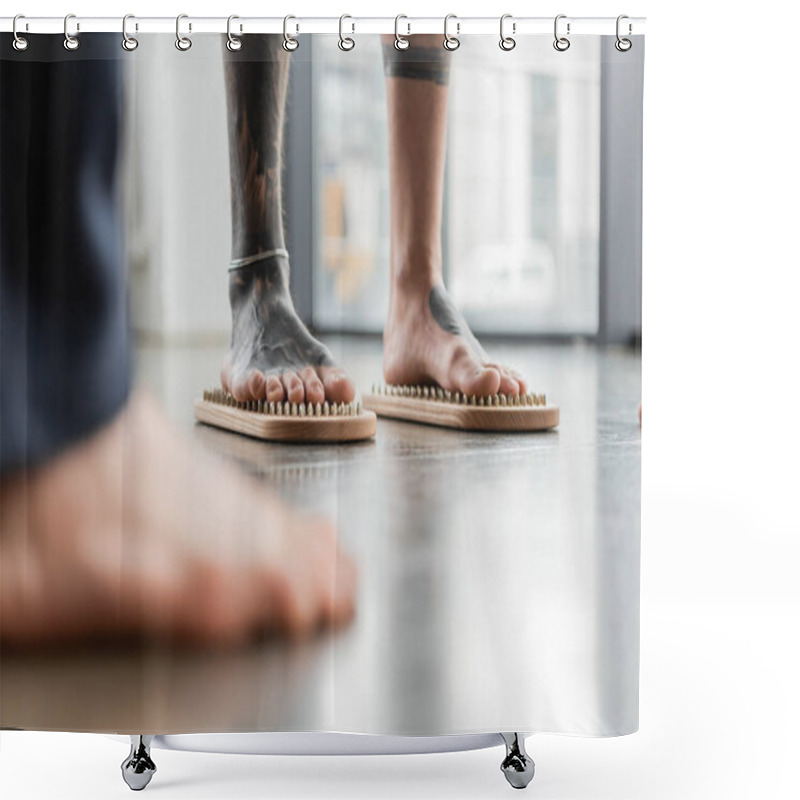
178, 191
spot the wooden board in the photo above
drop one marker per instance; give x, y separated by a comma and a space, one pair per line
348, 428
449, 414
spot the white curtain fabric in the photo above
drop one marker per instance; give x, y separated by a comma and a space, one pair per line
499, 577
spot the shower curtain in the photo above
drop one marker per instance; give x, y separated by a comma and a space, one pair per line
294, 223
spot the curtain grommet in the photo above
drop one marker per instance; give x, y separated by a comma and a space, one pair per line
451, 43
234, 43
507, 43
401, 42
623, 44
71, 43
346, 43
183, 43
290, 44
129, 43
20, 43
561, 43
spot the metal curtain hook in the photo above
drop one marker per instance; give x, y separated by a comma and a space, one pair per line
622, 44
561, 43
507, 42
346, 42
129, 43
290, 44
400, 42
451, 42
234, 43
182, 42
20, 42
71, 42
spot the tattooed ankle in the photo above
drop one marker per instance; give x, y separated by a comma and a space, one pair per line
445, 313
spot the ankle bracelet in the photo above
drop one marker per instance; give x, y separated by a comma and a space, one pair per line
239, 263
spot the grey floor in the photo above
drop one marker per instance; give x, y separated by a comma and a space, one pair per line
499, 576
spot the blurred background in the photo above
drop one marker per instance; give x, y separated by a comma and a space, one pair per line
542, 215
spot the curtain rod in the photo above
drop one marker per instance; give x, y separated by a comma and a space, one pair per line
518, 26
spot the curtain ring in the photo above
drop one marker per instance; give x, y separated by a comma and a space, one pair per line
20, 43
290, 44
129, 43
234, 43
622, 44
183, 43
346, 42
400, 42
451, 43
70, 42
507, 42
561, 43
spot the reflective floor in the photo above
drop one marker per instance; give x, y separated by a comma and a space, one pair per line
499, 576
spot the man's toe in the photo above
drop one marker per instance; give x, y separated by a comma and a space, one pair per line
314, 391
338, 387
293, 387
275, 392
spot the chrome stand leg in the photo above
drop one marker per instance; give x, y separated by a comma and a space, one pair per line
517, 766
138, 768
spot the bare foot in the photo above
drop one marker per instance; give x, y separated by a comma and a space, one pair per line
132, 533
426, 340
272, 355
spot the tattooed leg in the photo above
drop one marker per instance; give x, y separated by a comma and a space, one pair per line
426, 338
272, 355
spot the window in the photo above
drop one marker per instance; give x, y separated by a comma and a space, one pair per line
522, 196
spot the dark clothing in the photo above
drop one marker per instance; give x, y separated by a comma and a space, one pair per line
65, 359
